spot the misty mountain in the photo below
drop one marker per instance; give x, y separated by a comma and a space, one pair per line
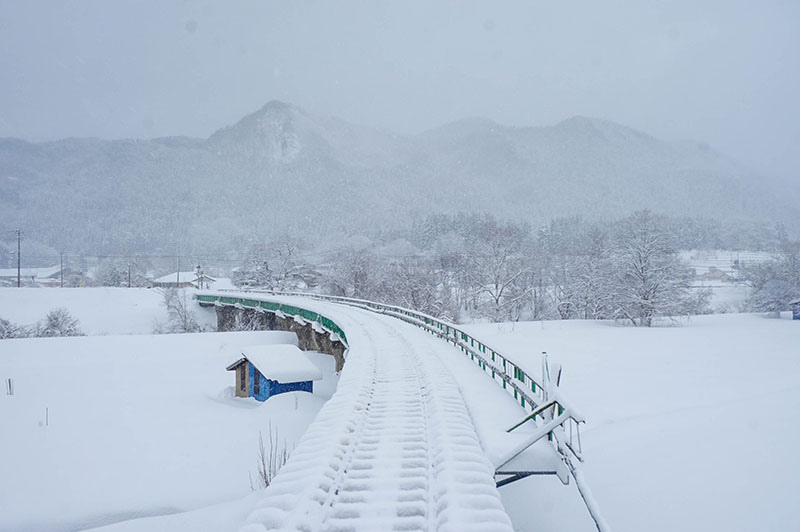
283, 169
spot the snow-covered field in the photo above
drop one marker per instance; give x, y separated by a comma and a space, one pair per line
690, 428
102, 429
99, 310
109, 428
725, 297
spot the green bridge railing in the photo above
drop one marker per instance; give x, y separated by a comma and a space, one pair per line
324, 322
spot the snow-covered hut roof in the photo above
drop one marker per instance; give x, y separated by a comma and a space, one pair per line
282, 363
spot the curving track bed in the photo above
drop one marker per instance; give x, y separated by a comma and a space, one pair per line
393, 449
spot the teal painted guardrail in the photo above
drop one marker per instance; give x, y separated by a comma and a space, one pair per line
276, 308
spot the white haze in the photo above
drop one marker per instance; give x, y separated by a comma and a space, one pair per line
721, 72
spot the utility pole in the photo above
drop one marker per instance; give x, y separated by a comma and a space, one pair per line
19, 263
178, 274
62, 269
129, 275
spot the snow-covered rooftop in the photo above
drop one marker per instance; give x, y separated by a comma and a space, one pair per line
282, 363
30, 272
186, 277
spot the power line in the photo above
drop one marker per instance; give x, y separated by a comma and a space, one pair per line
229, 259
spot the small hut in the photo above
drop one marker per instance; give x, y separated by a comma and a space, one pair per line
796, 309
267, 370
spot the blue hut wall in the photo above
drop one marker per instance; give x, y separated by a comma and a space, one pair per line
268, 388
283, 387
796, 311
263, 387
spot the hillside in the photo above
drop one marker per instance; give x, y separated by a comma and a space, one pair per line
284, 167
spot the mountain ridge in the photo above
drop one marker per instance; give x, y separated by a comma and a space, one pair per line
298, 170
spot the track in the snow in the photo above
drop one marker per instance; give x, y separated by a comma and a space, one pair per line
385, 474
394, 448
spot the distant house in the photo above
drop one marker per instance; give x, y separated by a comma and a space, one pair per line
267, 370
49, 276
715, 274
191, 279
796, 309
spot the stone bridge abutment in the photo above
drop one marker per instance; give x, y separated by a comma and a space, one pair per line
231, 318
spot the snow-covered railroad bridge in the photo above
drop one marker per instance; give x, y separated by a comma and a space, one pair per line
416, 436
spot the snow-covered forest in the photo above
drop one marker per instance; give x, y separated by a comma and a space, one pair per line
467, 267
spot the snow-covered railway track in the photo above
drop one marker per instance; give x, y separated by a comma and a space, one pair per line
394, 448
385, 475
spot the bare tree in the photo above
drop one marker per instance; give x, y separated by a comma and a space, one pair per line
114, 271
593, 272
180, 318
277, 265
775, 283
58, 322
497, 270
291, 272
649, 279
412, 283
563, 287
354, 273
255, 271
271, 458
11, 330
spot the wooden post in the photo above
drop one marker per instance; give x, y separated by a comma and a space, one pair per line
19, 262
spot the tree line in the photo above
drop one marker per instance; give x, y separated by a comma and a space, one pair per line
465, 267
776, 283
57, 322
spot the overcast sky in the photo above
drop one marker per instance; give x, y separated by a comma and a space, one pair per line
723, 72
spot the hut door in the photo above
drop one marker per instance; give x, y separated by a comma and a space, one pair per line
256, 382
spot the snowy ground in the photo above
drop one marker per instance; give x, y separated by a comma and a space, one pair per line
99, 310
728, 297
103, 429
690, 428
